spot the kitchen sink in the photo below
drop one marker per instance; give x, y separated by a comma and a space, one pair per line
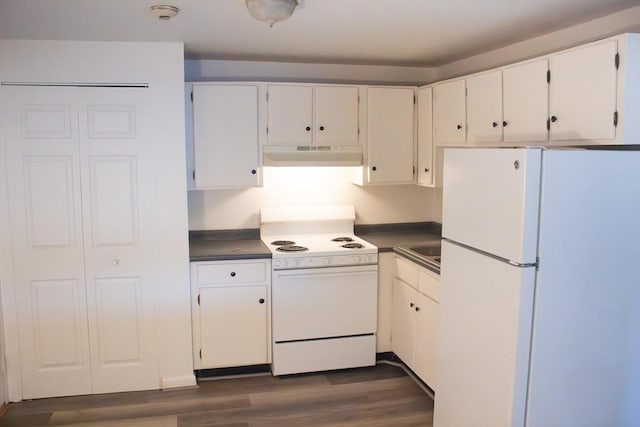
423, 254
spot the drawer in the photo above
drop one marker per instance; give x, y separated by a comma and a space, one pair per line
407, 271
429, 284
231, 272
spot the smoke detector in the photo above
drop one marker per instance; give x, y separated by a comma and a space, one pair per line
164, 12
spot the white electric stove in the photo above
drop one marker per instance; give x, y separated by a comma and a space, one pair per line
324, 289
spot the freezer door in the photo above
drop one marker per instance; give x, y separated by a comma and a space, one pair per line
491, 199
483, 340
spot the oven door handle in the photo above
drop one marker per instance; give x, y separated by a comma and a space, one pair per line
330, 271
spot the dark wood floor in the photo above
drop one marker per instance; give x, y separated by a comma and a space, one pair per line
379, 396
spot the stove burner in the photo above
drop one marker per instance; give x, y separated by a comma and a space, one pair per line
283, 243
292, 248
353, 246
342, 239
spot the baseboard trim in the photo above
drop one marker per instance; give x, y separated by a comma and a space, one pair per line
232, 371
176, 382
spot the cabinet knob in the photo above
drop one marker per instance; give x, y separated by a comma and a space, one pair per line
321, 127
253, 171
308, 128
494, 124
554, 119
411, 304
504, 124
261, 300
374, 168
426, 169
417, 308
233, 274
459, 127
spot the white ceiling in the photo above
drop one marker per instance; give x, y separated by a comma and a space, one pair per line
376, 32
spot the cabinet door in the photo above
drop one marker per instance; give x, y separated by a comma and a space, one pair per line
525, 94
233, 326
582, 93
225, 121
403, 325
484, 107
289, 115
426, 339
425, 136
336, 115
41, 136
390, 135
449, 113
116, 155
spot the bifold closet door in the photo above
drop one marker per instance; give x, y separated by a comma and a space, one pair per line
41, 139
116, 152
79, 180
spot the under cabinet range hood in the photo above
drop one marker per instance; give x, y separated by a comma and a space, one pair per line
312, 155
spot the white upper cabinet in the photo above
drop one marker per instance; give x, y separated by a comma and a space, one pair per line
525, 102
582, 95
226, 136
449, 115
508, 105
484, 107
336, 115
424, 119
389, 148
307, 114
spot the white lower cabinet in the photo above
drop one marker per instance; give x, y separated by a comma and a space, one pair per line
415, 318
231, 301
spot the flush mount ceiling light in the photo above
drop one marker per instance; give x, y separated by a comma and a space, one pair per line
164, 12
271, 11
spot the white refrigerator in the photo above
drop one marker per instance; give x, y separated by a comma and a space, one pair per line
540, 305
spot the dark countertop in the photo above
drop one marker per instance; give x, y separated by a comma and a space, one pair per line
220, 245
387, 236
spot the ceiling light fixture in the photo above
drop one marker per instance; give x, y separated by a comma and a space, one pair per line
271, 11
164, 12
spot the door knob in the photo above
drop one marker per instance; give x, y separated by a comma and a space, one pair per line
233, 274
494, 124
308, 128
504, 124
554, 119
411, 304
459, 127
261, 300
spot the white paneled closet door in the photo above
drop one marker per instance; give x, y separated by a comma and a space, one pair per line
41, 135
79, 166
116, 165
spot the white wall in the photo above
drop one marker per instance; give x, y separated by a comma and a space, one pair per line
218, 70
161, 66
621, 22
310, 186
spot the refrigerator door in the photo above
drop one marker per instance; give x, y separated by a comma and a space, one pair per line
491, 199
483, 340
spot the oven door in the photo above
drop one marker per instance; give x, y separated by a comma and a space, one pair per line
311, 304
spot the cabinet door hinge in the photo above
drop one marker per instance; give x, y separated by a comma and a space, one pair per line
615, 118
198, 299
414, 170
548, 124
267, 129
617, 60
414, 99
200, 353
548, 76
267, 96
466, 92
191, 96
193, 174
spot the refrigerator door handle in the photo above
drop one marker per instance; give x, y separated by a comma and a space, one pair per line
496, 257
